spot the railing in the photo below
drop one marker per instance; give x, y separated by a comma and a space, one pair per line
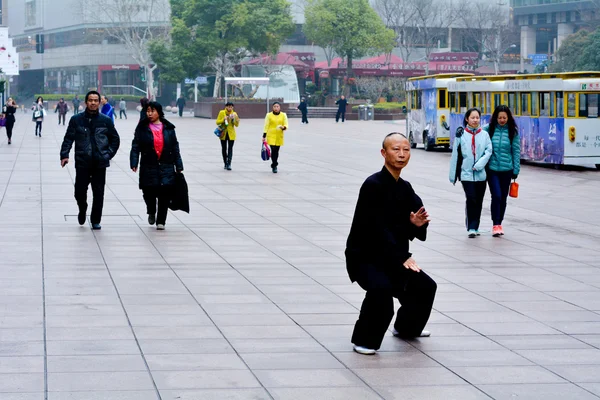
123, 89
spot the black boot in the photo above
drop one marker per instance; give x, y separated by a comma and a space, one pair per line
228, 163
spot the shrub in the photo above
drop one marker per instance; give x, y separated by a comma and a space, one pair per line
387, 107
70, 97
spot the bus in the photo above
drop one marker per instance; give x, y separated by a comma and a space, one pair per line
556, 113
427, 120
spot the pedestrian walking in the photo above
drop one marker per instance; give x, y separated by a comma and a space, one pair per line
180, 104
303, 110
62, 108
96, 143
389, 215
76, 103
9, 114
470, 154
155, 140
341, 112
38, 115
122, 108
228, 120
276, 123
505, 162
107, 109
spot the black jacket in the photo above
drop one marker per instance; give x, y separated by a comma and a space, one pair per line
96, 140
381, 228
303, 107
154, 171
342, 104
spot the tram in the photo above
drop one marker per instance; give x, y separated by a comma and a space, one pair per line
557, 114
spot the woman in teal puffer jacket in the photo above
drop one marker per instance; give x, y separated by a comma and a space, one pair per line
505, 163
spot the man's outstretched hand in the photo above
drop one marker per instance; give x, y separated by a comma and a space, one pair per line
419, 218
64, 162
412, 265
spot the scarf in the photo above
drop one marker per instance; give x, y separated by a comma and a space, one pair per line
474, 132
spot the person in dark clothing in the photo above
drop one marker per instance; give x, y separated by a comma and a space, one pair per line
96, 143
76, 103
144, 104
62, 108
304, 110
9, 113
180, 104
388, 215
155, 140
341, 103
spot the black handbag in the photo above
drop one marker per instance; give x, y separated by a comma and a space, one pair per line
180, 199
459, 156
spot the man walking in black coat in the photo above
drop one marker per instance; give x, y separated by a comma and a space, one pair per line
96, 143
388, 215
303, 107
341, 103
181, 104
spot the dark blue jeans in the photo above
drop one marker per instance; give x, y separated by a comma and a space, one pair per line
499, 182
474, 192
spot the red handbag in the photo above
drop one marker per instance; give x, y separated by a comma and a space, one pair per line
514, 189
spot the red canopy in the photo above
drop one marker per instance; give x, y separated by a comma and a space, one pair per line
279, 59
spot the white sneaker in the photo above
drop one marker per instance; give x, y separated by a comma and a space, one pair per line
160, 227
423, 333
364, 350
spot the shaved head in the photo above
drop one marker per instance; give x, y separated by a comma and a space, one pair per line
388, 136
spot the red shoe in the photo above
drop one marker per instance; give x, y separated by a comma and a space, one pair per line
501, 230
496, 231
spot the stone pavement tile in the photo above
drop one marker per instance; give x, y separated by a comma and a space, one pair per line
214, 394
450, 329
322, 393
324, 319
104, 395
88, 333
17, 349
476, 358
205, 379
21, 321
441, 392
425, 376
486, 317
512, 328
21, 383
185, 346
25, 396
577, 328
539, 342
262, 361
21, 334
91, 347
105, 300
176, 332
496, 375
402, 359
84, 309
563, 356
563, 316
197, 319
591, 387
338, 307
96, 363
455, 344
98, 381
159, 309
66, 321
141, 300
241, 308
264, 332
554, 391
592, 340
24, 364
237, 289
194, 362
482, 305
286, 345
326, 378
226, 320
577, 373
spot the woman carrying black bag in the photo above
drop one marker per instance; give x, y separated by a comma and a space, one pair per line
155, 140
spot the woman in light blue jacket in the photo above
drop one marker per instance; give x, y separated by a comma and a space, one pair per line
471, 152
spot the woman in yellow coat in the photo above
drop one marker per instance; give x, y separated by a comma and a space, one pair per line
227, 120
276, 123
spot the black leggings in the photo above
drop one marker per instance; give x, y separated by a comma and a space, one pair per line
9, 129
61, 116
227, 149
38, 126
274, 156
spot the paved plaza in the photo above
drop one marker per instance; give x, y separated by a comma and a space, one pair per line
247, 297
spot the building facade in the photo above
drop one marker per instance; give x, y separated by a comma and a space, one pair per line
79, 53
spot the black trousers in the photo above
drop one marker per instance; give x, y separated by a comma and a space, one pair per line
274, 156
181, 111
305, 117
227, 149
38, 127
160, 195
414, 290
341, 113
474, 192
499, 183
83, 178
61, 116
121, 113
9, 128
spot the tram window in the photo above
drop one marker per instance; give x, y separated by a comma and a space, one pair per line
419, 96
552, 103
497, 100
525, 97
476, 100
593, 105
462, 100
512, 104
488, 103
560, 105
534, 104
583, 111
571, 112
545, 104
442, 98
452, 100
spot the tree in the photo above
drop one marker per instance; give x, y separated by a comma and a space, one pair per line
350, 27
133, 23
215, 35
399, 15
589, 56
570, 52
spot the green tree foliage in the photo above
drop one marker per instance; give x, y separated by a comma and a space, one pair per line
579, 52
350, 27
212, 35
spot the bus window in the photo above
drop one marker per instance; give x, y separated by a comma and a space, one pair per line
442, 98
544, 104
488, 103
477, 100
525, 98
583, 111
552, 103
593, 105
571, 112
462, 100
512, 104
452, 100
497, 100
560, 105
534, 104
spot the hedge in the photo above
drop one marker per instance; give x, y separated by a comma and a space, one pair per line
384, 106
70, 97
